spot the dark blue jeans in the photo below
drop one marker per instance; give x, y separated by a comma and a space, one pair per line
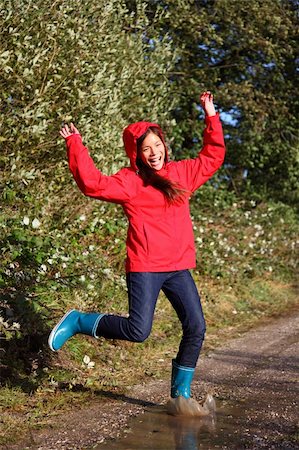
143, 291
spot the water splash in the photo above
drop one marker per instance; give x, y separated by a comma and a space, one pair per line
189, 407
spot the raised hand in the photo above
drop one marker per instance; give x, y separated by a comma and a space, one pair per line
67, 131
206, 101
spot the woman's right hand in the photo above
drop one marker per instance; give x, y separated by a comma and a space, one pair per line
206, 100
67, 131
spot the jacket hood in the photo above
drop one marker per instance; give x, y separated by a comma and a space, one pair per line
130, 135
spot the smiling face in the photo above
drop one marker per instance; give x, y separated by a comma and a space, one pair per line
153, 151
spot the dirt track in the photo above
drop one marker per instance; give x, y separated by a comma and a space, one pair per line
254, 381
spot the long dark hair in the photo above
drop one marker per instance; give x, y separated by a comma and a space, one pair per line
172, 192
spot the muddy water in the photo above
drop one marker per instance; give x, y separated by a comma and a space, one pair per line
157, 430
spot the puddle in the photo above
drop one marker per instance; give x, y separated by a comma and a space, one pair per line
157, 430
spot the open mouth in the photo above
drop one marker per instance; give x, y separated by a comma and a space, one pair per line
155, 161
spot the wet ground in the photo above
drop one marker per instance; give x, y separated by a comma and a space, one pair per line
254, 380
159, 431
255, 383
228, 429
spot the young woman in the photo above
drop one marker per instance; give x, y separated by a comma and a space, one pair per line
154, 193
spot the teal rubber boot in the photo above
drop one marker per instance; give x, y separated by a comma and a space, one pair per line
181, 379
73, 322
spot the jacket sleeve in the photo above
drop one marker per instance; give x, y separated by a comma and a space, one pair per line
195, 172
90, 180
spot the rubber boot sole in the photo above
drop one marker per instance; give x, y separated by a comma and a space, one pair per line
53, 332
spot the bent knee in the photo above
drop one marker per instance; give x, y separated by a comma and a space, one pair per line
197, 329
139, 335
202, 329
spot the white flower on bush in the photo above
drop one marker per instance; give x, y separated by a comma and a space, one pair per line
257, 226
82, 218
122, 281
82, 278
26, 220
108, 272
53, 382
88, 363
9, 327
42, 269
35, 223
294, 245
3, 323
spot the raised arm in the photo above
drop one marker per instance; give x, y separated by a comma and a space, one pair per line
89, 179
195, 172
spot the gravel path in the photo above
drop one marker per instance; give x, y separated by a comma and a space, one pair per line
254, 380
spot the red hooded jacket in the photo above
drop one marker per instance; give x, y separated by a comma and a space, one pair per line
160, 236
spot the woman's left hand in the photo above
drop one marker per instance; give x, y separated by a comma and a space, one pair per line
67, 131
206, 101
